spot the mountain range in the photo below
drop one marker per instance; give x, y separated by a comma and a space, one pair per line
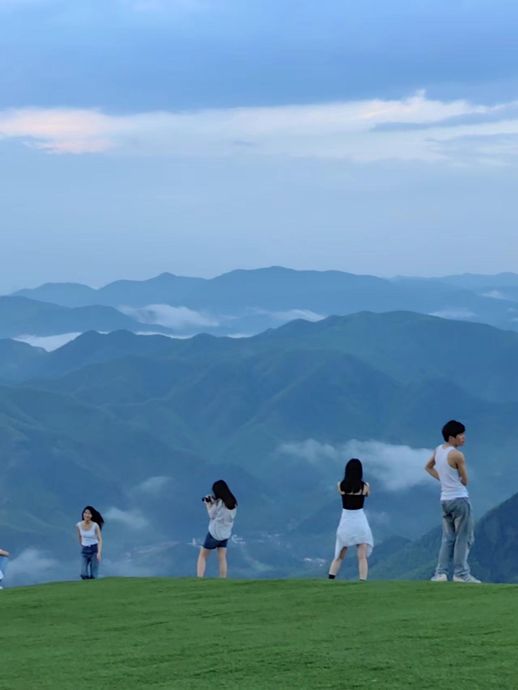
245, 302
142, 425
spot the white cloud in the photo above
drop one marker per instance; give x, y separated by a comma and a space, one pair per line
31, 563
494, 294
48, 342
128, 518
355, 130
293, 314
457, 314
154, 485
396, 466
171, 317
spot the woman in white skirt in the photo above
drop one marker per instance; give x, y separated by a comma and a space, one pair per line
353, 528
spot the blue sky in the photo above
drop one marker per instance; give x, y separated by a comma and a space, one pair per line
197, 136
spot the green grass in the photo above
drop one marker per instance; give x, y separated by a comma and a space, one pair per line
253, 635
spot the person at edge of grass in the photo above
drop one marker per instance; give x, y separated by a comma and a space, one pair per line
353, 528
89, 532
3, 555
221, 507
448, 466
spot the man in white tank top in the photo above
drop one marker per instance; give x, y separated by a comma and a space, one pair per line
448, 465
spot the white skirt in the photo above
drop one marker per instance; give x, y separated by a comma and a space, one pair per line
353, 529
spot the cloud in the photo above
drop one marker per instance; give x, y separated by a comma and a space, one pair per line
154, 485
48, 342
171, 317
494, 294
367, 130
293, 314
32, 564
457, 314
128, 518
397, 467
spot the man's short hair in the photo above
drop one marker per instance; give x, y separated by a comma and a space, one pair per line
452, 428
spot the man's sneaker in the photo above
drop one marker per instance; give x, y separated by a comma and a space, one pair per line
439, 577
467, 578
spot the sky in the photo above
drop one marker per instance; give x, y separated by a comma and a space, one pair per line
199, 136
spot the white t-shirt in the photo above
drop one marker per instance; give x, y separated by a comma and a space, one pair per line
221, 520
88, 536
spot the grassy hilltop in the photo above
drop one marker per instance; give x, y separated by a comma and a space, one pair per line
253, 635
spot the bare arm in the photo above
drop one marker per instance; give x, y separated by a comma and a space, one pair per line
100, 545
460, 464
211, 508
78, 535
430, 468
4, 553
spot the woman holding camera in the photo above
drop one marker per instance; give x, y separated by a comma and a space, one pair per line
353, 529
222, 508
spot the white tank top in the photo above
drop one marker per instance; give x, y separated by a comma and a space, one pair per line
451, 486
88, 536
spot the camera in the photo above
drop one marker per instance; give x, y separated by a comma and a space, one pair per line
208, 499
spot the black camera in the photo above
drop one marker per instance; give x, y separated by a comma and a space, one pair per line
208, 499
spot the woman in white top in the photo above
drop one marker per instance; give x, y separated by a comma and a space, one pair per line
91, 541
353, 529
221, 507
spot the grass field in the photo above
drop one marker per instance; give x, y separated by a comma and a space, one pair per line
120, 634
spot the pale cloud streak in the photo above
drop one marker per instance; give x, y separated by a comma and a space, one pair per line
31, 563
292, 314
171, 317
48, 342
424, 129
397, 467
129, 518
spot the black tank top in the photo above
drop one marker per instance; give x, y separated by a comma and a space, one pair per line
353, 501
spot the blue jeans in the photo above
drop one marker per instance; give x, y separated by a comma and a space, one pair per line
457, 537
3, 565
89, 562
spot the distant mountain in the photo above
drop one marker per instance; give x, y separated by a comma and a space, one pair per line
474, 281
494, 557
19, 361
158, 290
495, 552
21, 316
144, 424
248, 301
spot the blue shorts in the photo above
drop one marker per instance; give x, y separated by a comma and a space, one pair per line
211, 543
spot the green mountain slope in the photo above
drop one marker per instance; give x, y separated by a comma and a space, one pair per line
144, 425
494, 556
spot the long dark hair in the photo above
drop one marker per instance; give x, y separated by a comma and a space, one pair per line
96, 516
220, 490
352, 483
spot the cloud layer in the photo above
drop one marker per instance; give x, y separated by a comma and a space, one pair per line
397, 467
412, 128
171, 317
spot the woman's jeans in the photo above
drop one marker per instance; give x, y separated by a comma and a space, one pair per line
90, 564
457, 537
3, 564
